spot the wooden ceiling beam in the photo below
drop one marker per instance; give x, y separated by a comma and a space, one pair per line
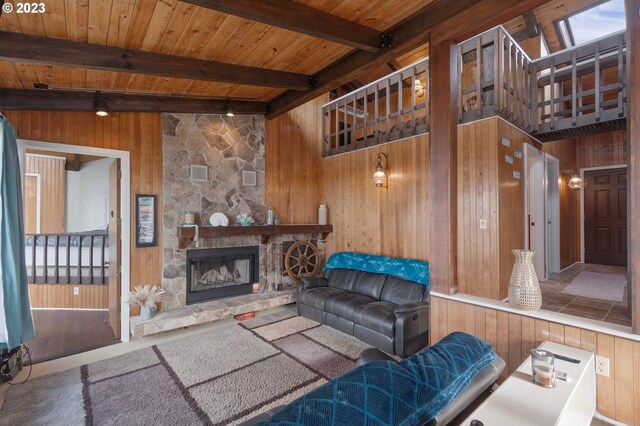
407, 36
51, 51
445, 19
300, 18
58, 100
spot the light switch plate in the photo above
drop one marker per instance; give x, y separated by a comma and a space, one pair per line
76, 291
483, 224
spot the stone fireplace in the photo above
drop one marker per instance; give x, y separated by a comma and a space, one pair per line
221, 272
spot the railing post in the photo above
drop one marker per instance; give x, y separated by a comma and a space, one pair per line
68, 271
91, 240
45, 271
598, 84
57, 257
533, 69
621, 75
574, 78
34, 272
102, 259
479, 65
497, 86
552, 84
79, 272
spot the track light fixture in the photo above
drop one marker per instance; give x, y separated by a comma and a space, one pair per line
100, 105
229, 108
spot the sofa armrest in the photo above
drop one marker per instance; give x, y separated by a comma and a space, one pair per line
311, 282
371, 355
408, 308
411, 328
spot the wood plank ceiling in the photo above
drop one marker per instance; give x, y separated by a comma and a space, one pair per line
194, 33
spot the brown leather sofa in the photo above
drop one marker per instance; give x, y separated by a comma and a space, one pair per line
382, 310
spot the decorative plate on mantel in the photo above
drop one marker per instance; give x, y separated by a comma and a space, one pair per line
219, 219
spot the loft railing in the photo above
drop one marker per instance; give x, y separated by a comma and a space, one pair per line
72, 258
567, 91
581, 86
392, 108
494, 79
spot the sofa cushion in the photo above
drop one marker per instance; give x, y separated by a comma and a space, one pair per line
316, 297
399, 291
368, 284
377, 316
342, 278
343, 305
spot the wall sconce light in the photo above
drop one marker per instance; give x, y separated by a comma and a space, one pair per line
100, 105
229, 109
380, 177
419, 88
576, 182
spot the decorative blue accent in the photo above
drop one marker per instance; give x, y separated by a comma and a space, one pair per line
16, 325
411, 392
409, 269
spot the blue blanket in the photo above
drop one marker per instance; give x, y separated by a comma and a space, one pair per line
411, 392
409, 269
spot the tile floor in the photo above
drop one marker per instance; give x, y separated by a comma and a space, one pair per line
553, 299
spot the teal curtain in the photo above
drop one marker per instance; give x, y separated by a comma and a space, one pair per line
16, 324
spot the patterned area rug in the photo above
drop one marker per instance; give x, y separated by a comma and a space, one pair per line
216, 377
596, 285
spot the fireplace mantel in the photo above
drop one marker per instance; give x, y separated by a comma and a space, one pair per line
188, 233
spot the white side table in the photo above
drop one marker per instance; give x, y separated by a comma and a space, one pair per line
519, 401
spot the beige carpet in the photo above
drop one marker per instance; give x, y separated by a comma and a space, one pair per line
215, 377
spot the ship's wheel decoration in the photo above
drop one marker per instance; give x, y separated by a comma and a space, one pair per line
301, 259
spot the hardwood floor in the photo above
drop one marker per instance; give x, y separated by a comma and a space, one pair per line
60, 333
553, 299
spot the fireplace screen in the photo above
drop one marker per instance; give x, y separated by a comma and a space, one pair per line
217, 273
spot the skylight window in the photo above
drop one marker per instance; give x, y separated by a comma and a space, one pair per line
593, 23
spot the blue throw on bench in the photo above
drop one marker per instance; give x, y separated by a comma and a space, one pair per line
411, 392
408, 269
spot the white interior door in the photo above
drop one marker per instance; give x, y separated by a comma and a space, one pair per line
553, 213
535, 208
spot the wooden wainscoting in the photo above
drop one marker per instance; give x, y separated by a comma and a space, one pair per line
90, 296
513, 336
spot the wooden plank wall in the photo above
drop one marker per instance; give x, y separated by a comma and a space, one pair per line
295, 170
604, 149
52, 191
138, 133
488, 191
566, 153
513, 336
61, 296
391, 221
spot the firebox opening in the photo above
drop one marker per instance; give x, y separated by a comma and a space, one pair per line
221, 272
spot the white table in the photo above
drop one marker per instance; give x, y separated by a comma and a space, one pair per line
519, 401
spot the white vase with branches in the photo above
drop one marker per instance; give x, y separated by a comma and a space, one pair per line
146, 296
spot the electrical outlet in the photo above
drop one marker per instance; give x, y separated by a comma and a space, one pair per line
483, 224
602, 366
76, 291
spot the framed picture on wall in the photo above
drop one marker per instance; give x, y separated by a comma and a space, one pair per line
146, 228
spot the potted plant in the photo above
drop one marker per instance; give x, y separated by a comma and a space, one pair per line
146, 296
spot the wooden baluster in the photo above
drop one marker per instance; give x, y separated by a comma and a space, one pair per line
79, 272
598, 83
479, 65
388, 108
517, 86
345, 124
413, 101
68, 259
580, 97
45, 271
509, 78
574, 82
337, 145
34, 272
376, 111
496, 72
534, 96
427, 93
460, 88
102, 250
620, 75
501, 73
400, 118
91, 240
552, 82
324, 131
57, 257
365, 130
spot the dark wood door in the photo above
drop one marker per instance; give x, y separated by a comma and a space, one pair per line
605, 211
